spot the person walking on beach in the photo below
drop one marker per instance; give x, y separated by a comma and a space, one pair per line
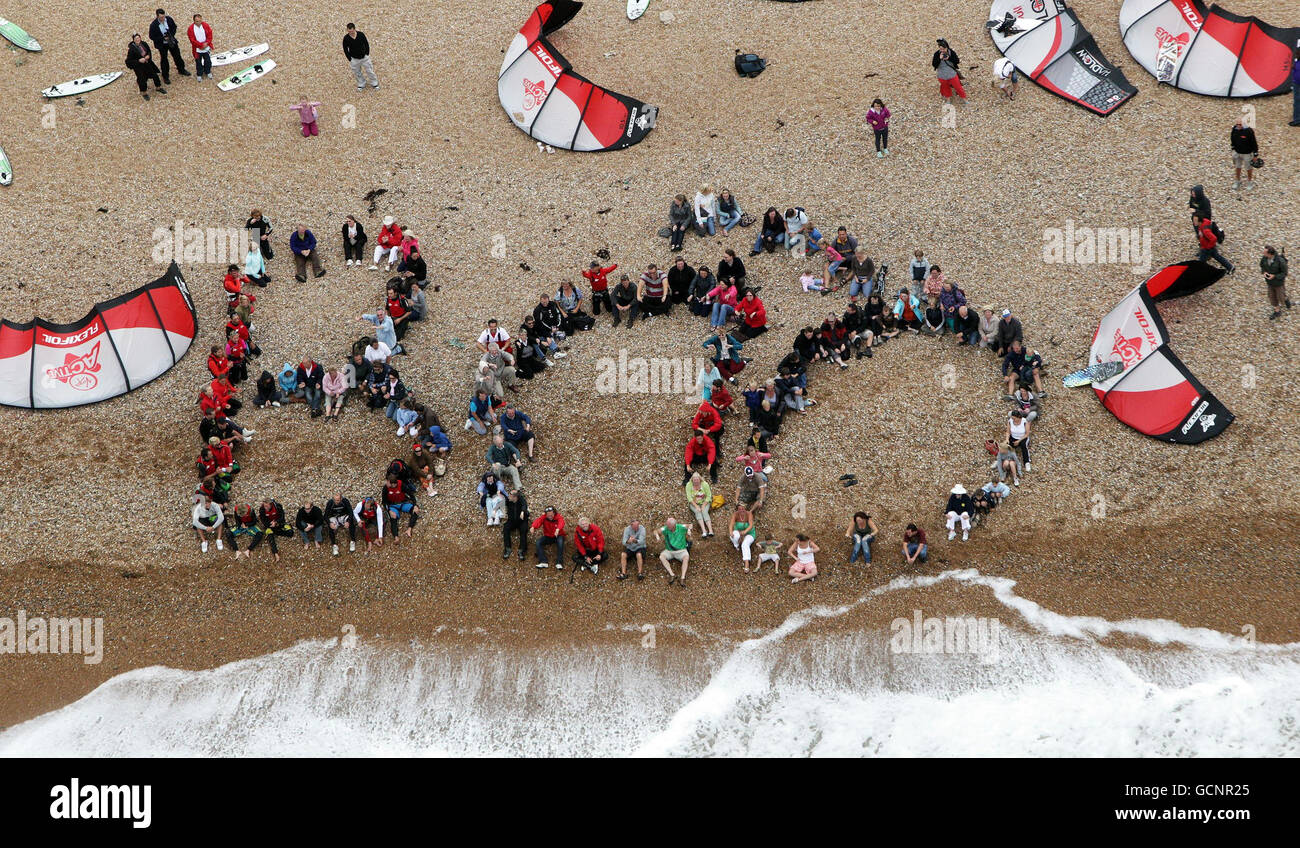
676, 539
162, 32
1208, 237
200, 33
357, 50
1245, 147
1274, 267
946, 63
878, 120
139, 58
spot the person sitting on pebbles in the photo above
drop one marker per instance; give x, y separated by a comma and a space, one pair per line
960, 508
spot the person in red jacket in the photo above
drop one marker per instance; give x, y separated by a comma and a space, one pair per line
551, 523
218, 364
701, 449
234, 285
1209, 241
590, 545
200, 34
753, 316
390, 242
709, 419
599, 279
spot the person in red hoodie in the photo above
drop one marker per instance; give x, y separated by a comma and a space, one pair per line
599, 279
1209, 241
224, 392
753, 316
709, 419
590, 544
234, 285
218, 364
200, 33
551, 523
701, 449
390, 242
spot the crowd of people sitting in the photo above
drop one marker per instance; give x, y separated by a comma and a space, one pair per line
368, 380
929, 304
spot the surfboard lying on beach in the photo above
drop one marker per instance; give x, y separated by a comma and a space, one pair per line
80, 85
6, 172
1098, 373
232, 56
247, 75
19, 36
636, 8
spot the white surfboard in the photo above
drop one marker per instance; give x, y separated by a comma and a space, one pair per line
232, 56
80, 85
636, 8
247, 75
19, 36
6, 172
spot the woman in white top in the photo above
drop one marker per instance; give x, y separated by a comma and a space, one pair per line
1018, 435
706, 210
801, 552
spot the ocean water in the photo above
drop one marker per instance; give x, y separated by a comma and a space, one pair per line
817, 685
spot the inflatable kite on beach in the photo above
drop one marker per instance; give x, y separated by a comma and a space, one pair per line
1211, 51
1048, 44
548, 100
1154, 393
119, 346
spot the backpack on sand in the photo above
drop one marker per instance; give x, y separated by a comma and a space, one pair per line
749, 64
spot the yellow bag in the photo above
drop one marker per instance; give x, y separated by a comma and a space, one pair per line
718, 501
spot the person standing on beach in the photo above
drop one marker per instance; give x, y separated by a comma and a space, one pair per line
162, 32
1245, 147
139, 58
1274, 267
946, 63
357, 50
200, 33
878, 120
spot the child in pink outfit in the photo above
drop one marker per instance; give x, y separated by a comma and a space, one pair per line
307, 114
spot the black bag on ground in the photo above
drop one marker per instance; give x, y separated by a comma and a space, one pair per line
749, 64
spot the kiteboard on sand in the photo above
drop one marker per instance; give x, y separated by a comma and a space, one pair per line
247, 75
636, 8
80, 85
6, 172
1098, 373
19, 36
232, 56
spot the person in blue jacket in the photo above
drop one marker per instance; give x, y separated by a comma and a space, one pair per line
303, 245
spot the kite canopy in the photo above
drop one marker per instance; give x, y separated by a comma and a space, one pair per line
546, 99
1155, 394
1210, 51
119, 346
1048, 44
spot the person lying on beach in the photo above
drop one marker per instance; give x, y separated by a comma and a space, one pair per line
811, 282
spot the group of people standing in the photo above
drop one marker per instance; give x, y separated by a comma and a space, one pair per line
164, 35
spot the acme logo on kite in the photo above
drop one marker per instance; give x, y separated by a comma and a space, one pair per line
78, 371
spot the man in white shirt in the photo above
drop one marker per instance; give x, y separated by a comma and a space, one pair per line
377, 351
494, 334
